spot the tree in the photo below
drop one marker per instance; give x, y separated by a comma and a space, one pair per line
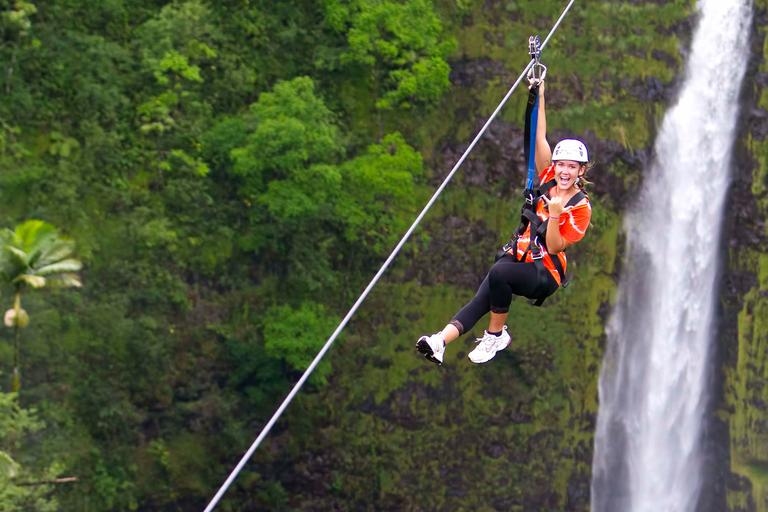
400, 46
377, 202
34, 254
293, 128
312, 213
14, 27
296, 335
20, 489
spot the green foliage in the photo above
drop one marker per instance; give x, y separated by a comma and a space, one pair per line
293, 128
17, 425
15, 20
427, 82
400, 43
749, 452
180, 32
745, 368
301, 196
378, 197
296, 335
36, 255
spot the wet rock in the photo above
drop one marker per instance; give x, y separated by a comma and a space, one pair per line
494, 451
503, 504
758, 123
651, 89
497, 162
666, 58
578, 497
475, 72
739, 483
460, 252
519, 417
761, 79
458, 493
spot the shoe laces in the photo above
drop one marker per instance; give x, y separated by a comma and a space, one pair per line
488, 341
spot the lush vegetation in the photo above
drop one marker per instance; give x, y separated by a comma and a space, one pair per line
745, 367
232, 174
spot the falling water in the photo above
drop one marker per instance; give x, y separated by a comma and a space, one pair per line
653, 380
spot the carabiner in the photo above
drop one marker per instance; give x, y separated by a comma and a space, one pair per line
538, 71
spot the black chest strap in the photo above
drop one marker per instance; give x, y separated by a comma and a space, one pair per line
538, 236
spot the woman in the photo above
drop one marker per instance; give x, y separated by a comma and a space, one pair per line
516, 272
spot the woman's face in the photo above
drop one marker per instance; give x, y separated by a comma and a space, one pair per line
566, 172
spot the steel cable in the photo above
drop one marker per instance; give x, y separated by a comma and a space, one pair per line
373, 282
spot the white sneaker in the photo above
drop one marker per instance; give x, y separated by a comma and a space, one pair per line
433, 347
488, 345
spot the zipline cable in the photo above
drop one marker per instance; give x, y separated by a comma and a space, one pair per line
373, 282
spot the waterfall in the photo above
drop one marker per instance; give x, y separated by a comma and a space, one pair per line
653, 391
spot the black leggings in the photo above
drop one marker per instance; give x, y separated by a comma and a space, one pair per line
506, 277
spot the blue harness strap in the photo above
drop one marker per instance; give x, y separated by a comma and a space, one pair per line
529, 136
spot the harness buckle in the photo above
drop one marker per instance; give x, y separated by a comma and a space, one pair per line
529, 197
536, 252
507, 247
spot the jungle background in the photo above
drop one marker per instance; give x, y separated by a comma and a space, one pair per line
233, 173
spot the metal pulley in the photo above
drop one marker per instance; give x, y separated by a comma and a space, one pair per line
538, 71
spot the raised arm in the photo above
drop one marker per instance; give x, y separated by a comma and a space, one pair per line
543, 151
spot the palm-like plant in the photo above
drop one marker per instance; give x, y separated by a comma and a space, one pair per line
34, 255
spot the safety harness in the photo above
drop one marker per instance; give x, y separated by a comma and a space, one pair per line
538, 238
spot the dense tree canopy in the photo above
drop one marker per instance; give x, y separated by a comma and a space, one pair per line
222, 208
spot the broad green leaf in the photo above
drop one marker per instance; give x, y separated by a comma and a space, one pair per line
64, 281
28, 231
55, 251
31, 280
34, 250
43, 239
70, 265
21, 257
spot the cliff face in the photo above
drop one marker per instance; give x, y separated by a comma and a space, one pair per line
740, 411
516, 434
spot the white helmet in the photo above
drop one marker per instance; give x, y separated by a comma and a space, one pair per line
571, 149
